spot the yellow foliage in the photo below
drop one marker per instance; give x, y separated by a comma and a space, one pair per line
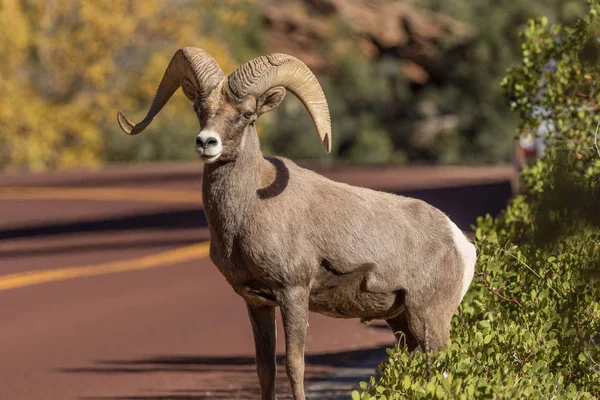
14, 35
69, 65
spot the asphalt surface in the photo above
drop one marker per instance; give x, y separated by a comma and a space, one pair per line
106, 290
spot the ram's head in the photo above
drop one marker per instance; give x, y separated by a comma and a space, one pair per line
227, 105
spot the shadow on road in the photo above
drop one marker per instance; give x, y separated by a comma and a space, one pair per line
235, 377
463, 205
167, 220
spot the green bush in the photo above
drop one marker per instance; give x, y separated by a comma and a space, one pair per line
530, 324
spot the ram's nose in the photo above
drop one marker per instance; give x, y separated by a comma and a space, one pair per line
208, 143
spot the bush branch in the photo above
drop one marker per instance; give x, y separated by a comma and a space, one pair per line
484, 281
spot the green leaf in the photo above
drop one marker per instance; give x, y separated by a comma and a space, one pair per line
484, 323
440, 393
406, 382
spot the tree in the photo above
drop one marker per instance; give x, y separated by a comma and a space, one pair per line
70, 65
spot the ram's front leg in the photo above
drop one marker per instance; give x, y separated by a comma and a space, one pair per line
263, 326
294, 312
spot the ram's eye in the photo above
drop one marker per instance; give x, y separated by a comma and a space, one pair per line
248, 114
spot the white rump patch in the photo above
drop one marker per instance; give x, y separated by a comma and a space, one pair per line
467, 253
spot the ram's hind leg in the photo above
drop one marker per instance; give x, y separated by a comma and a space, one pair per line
400, 329
429, 326
422, 330
420, 327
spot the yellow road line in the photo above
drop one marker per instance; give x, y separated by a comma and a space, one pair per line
152, 261
103, 194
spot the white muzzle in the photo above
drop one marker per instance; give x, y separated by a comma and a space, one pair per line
209, 145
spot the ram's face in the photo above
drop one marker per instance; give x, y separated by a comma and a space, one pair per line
226, 120
223, 121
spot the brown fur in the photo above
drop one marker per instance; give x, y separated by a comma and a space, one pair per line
285, 236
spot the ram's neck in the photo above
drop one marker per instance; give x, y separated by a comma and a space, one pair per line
230, 189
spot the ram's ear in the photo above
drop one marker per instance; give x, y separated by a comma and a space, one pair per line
270, 100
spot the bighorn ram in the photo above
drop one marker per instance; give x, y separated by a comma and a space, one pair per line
285, 236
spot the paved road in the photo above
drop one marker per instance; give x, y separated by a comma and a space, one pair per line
106, 291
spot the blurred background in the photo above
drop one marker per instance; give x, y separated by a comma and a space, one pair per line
418, 108
414, 82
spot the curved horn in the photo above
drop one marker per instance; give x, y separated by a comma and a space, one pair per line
191, 67
259, 75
